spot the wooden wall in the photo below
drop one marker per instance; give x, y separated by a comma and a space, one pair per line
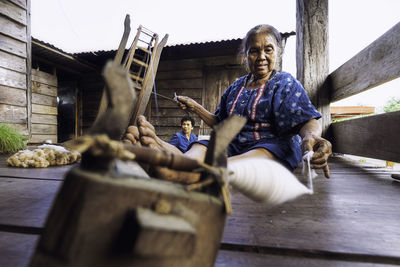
90, 90
15, 63
44, 107
203, 79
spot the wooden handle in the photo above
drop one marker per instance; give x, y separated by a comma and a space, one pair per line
162, 158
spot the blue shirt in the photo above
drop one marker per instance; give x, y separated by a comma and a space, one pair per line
181, 142
275, 113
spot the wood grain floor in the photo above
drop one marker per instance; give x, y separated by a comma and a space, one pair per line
352, 219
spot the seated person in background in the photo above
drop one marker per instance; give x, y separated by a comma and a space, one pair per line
184, 138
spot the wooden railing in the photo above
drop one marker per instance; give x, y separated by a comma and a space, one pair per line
373, 136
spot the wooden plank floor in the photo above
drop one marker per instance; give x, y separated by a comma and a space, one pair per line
353, 216
353, 219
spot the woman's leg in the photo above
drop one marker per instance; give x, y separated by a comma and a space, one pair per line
198, 152
148, 137
254, 153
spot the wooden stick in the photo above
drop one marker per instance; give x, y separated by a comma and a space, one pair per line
118, 58
163, 158
162, 96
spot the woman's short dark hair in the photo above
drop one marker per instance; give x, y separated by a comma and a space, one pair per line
187, 118
262, 28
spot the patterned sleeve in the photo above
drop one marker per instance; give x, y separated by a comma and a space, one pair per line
292, 107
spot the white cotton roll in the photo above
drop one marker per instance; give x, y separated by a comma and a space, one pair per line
265, 180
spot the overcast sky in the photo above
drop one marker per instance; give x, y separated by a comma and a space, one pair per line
91, 25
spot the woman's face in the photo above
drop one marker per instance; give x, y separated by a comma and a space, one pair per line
261, 55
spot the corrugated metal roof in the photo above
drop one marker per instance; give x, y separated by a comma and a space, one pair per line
50, 54
175, 51
97, 52
205, 42
202, 49
86, 61
49, 46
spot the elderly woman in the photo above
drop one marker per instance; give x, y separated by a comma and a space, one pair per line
282, 122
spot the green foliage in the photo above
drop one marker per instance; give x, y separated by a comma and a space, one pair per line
344, 119
392, 105
352, 118
10, 139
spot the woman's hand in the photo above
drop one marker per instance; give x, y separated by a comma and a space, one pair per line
186, 103
322, 150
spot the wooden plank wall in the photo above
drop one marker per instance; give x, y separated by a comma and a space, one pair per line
217, 79
14, 62
44, 107
90, 91
200, 79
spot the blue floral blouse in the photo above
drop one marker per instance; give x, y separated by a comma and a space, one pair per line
275, 111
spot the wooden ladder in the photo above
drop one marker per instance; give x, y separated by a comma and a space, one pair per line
139, 58
141, 61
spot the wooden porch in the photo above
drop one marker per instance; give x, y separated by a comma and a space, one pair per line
351, 220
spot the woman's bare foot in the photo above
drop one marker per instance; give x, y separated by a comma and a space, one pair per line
132, 136
149, 138
147, 134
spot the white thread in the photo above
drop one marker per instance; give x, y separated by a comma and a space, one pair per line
307, 171
265, 180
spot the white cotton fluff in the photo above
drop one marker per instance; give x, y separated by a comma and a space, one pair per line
43, 156
265, 180
60, 149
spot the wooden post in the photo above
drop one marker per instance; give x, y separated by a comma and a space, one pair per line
312, 53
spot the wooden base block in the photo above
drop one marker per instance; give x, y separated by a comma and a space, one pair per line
106, 221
